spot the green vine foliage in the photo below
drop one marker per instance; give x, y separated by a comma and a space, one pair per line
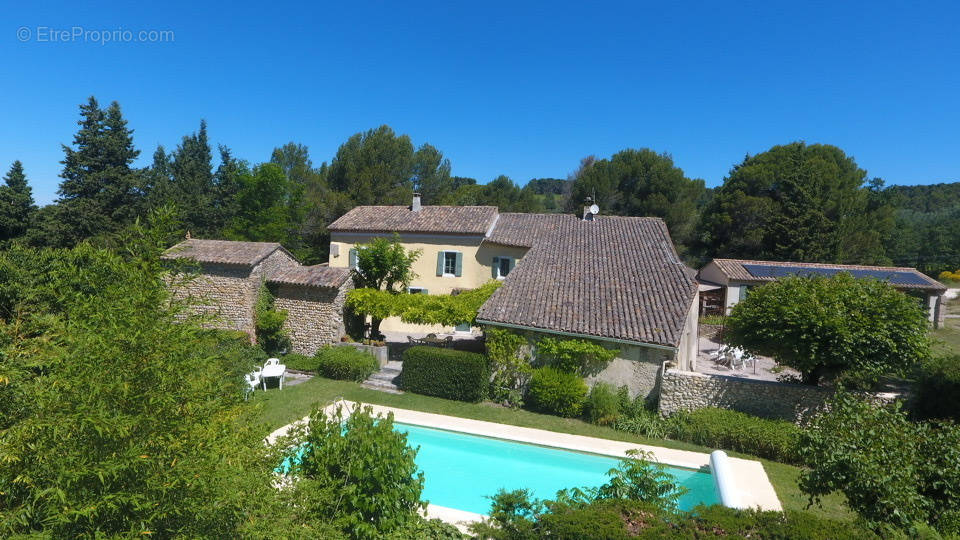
268, 323
509, 365
578, 356
443, 309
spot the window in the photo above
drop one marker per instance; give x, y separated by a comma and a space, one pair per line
450, 262
502, 266
416, 290
463, 328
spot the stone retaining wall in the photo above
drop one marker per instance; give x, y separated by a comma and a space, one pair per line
688, 391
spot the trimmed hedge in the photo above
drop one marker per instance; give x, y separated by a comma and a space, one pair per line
345, 363
301, 362
445, 373
557, 392
731, 430
603, 404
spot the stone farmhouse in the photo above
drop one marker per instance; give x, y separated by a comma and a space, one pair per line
230, 277
616, 280
724, 282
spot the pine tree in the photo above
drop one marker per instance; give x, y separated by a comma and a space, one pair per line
98, 194
16, 204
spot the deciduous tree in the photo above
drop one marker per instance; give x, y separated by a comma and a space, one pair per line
827, 328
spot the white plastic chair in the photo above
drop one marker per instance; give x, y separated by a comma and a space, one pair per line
272, 362
252, 379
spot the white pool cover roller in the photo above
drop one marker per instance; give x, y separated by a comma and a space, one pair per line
723, 478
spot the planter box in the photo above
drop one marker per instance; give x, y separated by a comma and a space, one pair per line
381, 353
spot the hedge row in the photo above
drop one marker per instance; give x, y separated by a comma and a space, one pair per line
731, 430
445, 373
345, 363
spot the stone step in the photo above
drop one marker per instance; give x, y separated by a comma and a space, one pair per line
387, 389
385, 375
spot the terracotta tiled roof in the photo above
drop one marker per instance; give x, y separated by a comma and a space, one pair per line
614, 277
311, 276
734, 269
222, 251
526, 230
430, 219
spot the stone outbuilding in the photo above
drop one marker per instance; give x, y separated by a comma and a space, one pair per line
229, 277
313, 297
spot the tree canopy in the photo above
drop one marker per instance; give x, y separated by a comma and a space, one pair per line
796, 202
840, 327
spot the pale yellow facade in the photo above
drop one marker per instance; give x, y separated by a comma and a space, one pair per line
477, 266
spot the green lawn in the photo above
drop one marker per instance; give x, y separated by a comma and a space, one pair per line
278, 408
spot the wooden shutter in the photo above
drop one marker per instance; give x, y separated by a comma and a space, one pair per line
459, 264
440, 263
496, 267
353, 258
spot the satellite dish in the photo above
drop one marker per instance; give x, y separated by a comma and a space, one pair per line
594, 209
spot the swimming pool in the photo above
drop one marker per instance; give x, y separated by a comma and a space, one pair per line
461, 471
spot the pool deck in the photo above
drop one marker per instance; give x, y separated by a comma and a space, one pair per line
754, 489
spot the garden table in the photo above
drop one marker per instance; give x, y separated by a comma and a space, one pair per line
273, 370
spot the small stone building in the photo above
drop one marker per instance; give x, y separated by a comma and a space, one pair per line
229, 278
313, 298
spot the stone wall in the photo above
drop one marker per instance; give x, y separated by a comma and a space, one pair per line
637, 368
685, 390
224, 292
314, 314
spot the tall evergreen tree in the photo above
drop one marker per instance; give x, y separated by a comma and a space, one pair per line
16, 204
192, 187
98, 193
226, 186
156, 179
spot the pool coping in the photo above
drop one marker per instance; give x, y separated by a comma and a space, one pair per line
752, 486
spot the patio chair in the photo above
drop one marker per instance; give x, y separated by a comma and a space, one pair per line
272, 362
252, 380
447, 341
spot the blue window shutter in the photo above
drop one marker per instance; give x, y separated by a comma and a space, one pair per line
496, 267
459, 264
353, 258
440, 263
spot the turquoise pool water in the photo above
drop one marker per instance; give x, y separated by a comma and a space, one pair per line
461, 470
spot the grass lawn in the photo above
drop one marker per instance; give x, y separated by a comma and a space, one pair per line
282, 407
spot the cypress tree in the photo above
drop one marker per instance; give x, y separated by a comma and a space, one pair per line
192, 181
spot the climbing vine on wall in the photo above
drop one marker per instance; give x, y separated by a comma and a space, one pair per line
510, 367
268, 323
578, 356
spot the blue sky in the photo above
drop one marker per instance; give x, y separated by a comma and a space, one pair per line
524, 90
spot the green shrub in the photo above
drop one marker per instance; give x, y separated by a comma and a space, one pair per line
345, 363
357, 472
603, 404
517, 517
301, 362
445, 373
890, 470
936, 392
731, 430
557, 392
268, 323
